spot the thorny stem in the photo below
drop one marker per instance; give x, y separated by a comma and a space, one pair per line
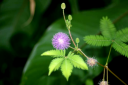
112, 73
68, 29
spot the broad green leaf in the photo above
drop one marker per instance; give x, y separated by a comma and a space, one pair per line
55, 64
54, 53
121, 47
89, 82
66, 68
122, 35
78, 62
14, 13
97, 40
84, 23
107, 28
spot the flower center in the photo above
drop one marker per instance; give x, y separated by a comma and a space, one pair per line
61, 41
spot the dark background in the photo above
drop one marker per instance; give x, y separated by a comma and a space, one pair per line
14, 58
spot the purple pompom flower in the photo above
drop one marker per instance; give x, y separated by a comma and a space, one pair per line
60, 41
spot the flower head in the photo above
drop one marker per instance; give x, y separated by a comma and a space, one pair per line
91, 62
60, 41
103, 83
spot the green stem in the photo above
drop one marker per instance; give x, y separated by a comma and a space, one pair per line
72, 48
104, 75
68, 29
108, 56
120, 17
107, 74
83, 53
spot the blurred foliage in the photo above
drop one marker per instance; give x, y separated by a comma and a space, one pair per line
18, 42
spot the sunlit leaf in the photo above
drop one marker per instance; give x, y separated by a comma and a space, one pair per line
54, 53
55, 64
66, 68
78, 62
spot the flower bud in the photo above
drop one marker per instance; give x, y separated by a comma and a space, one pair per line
69, 17
63, 6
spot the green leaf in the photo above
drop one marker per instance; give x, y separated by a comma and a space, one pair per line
55, 64
54, 53
122, 35
66, 68
107, 28
89, 82
78, 62
121, 47
97, 40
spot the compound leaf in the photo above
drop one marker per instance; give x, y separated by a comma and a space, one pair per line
122, 35
66, 68
97, 40
78, 62
107, 28
55, 64
121, 47
54, 53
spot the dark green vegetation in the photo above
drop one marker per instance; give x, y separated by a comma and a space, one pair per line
22, 45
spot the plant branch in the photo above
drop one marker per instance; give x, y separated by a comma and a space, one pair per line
68, 29
120, 17
112, 73
104, 74
71, 37
83, 53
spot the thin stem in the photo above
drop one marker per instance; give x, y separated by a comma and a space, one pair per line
108, 55
83, 54
116, 76
68, 29
112, 73
71, 38
72, 48
107, 73
104, 74
120, 17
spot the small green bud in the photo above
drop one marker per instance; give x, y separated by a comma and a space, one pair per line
63, 6
70, 17
77, 40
